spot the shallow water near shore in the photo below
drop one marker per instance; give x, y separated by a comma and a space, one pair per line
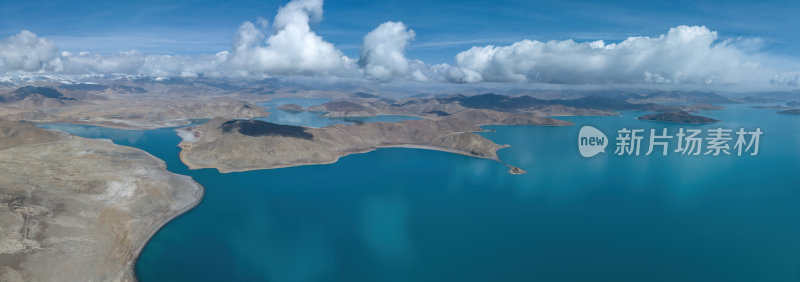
418, 215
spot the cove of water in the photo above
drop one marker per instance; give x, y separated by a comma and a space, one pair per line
311, 119
417, 215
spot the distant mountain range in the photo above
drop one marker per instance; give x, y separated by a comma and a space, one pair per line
506, 103
616, 99
34, 92
678, 117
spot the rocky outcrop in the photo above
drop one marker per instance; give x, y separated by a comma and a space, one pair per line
76, 209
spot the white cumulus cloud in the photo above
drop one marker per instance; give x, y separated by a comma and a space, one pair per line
293, 49
383, 52
789, 78
25, 51
685, 55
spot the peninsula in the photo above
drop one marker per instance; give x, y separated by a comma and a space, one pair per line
241, 145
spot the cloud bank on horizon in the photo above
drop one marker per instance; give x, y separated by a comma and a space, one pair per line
685, 55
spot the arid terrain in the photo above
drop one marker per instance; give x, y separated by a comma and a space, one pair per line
240, 145
128, 112
77, 209
137, 102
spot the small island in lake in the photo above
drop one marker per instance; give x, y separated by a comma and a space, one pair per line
678, 117
790, 112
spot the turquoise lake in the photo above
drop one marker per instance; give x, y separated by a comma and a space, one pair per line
418, 215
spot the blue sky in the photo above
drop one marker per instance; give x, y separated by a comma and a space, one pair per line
674, 44
443, 28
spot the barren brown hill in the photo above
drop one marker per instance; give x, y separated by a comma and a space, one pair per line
234, 146
76, 209
135, 114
